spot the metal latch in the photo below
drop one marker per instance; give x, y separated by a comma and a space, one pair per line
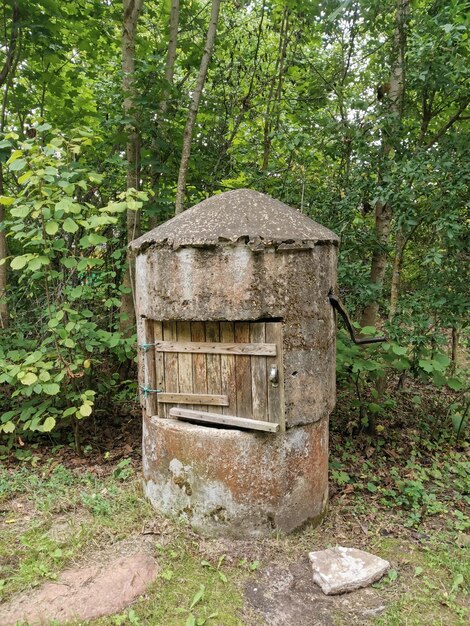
273, 376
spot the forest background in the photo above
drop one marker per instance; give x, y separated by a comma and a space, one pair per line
115, 116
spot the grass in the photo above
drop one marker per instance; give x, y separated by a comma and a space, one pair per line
402, 496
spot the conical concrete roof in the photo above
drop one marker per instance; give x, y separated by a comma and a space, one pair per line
227, 217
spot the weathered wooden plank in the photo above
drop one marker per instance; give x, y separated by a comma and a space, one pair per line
223, 420
214, 379
171, 360
141, 364
227, 369
185, 359
198, 334
259, 379
150, 380
276, 391
243, 372
159, 364
193, 398
207, 347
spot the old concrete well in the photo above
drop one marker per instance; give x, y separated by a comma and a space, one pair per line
237, 364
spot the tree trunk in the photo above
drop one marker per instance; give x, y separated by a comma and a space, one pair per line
170, 54
132, 10
194, 106
7, 72
276, 85
383, 212
396, 274
4, 314
455, 347
163, 106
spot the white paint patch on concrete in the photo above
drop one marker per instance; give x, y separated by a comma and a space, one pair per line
176, 467
297, 440
185, 272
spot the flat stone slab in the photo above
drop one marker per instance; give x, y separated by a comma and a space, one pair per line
83, 594
338, 570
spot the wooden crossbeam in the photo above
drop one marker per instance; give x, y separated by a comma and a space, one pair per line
193, 398
223, 420
207, 347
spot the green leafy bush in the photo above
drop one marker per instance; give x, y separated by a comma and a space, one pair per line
66, 268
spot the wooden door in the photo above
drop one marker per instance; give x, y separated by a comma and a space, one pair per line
226, 368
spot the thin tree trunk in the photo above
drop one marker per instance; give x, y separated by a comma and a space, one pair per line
455, 347
4, 313
276, 84
194, 106
383, 212
169, 74
246, 103
396, 274
132, 10
6, 76
170, 54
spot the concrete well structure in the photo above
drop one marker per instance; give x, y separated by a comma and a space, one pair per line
237, 364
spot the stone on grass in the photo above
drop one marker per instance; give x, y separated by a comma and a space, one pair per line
83, 594
338, 570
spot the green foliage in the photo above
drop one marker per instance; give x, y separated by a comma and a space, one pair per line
361, 368
68, 257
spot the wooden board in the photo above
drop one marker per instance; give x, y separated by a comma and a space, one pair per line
214, 379
185, 360
207, 347
171, 361
276, 392
259, 375
227, 369
243, 372
159, 363
193, 398
223, 420
198, 334
150, 399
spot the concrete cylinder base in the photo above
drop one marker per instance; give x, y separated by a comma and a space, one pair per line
234, 483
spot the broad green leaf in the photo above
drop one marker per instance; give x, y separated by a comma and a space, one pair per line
8, 427
52, 227
52, 389
85, 410
29, 379
400, 350
37, 263
438, 379
20, 261
96, 239
426, 365
25, 177
455, 384
69, 262
6, 200
21, 211
17, 165
48, 425
70, 226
